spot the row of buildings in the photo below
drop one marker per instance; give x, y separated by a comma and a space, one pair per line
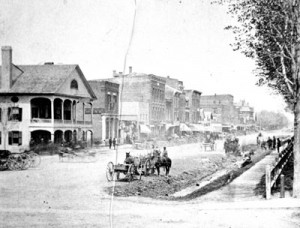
55, 103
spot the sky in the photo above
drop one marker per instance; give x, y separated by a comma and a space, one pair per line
183, 39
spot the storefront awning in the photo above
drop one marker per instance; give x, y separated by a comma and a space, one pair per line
144, 129
184, 127
197, 127
169, 126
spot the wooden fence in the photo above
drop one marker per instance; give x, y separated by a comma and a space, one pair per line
273, 171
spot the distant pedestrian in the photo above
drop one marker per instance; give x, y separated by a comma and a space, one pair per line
114, 143
270, 143
274, 143
263, 145
278, 144
109, 143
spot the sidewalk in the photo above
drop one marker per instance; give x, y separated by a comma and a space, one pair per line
243, 187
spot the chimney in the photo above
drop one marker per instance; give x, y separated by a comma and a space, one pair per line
115, 73
130, 69
6, 69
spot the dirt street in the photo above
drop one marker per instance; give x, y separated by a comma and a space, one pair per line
72, 194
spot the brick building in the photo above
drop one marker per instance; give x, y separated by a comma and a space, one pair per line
192, 106
105, 110
143, 96
221, 107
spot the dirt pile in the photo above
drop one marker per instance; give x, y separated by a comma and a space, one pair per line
192, 173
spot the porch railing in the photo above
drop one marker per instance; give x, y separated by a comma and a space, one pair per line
59, 121
39, 120
68, 121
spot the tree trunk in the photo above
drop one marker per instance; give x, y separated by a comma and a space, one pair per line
296, 183
296, 74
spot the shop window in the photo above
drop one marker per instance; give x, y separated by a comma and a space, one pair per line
74, 84
15, 138
15, 114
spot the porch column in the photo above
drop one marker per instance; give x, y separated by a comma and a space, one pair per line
116, 127
83, 105
111, 123
52, 134
75, 112
52, 114
62, 111
112, 128
103, 127
91, 112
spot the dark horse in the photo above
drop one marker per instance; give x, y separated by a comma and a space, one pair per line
159, 161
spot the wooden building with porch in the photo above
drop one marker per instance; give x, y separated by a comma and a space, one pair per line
43, 103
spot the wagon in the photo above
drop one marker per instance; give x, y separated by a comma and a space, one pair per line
139, 167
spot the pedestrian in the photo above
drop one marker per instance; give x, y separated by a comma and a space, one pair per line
270, 143
114, 143
274, 143
109, 143
278, 144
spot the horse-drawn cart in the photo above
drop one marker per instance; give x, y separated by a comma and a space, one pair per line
136, 166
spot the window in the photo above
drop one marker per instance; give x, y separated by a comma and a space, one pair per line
114, 102
15, 114
0, 137
15, 138
108, 101
0, 115
74, 84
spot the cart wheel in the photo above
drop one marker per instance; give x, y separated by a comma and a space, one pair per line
35, 159
147, 167
110, 171
130, 172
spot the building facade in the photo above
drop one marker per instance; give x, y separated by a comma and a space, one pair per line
246, 113
221, 107
43, 103
193, 106
105, 110
142, 101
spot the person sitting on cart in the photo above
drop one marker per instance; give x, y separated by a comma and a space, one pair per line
128, 159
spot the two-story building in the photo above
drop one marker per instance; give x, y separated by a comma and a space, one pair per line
42, 103
105, 110
193, 103
221, 107
142, 97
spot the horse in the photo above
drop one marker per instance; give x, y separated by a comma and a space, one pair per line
159, 161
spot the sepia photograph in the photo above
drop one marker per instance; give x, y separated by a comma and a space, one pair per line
150, 113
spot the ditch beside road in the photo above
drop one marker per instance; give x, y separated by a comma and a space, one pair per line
67, 194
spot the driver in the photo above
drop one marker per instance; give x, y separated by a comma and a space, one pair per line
128, 159
165, 152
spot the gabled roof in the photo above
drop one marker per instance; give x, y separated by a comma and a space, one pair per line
43, 79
